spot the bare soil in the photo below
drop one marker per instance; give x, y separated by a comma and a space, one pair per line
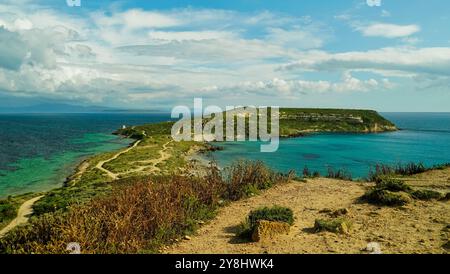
419, 227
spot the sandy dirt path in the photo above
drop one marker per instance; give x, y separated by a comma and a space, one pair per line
415, 228
23, 213
110, 174
151, 165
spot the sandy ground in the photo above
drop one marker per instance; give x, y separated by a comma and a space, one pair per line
25, 210
415, 228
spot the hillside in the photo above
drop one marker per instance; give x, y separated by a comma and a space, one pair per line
300, 121
417, 227
297, 121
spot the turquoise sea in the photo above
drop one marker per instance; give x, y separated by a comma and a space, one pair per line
38, 151
425, 137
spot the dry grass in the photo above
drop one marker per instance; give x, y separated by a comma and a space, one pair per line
140, 214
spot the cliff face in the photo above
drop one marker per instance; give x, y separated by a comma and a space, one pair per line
294, 122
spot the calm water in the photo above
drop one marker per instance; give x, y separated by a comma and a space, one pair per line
38, 151
425, 138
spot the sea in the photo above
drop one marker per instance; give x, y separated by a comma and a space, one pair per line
423, 138
39, 151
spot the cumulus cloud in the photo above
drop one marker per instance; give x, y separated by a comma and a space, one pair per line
297, 38
409, 61
388, 30
373, 3
12, 49
137, 57
136, 19
296, 88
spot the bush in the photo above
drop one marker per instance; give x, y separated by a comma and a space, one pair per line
244, 230
339, 225
244, 178
446, 197
340, 174
426, 195
139, 216
392, 192
7, 211
382, 170
380, 196
393, 185
306, 172
140, 213
276, 214
446, 246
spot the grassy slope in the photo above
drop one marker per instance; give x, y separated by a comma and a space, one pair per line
93, 182
10, 206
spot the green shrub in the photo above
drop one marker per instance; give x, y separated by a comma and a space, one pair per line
385, 197
340, 174
398, 169
446, 246
426, 195
393, 185
339, 225
446, 197
244, 178
7, 211
276, 213
244, 230
139, 213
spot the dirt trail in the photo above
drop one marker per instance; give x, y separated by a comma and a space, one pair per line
414, 228
151, 165
110, 174
24, 211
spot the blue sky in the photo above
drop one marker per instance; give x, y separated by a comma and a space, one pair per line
388, 55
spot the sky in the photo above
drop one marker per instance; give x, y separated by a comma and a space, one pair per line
387, 55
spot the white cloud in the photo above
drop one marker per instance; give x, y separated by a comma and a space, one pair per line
406, 60
190, 35
295, 88
296, 38
12, 49
385, 13
139, 57
388, 30
373, 3
136, 19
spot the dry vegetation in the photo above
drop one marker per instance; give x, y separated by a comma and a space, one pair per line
140, 214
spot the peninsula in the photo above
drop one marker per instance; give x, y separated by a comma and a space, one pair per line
154, 155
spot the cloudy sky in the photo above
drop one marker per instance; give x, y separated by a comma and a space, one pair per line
388, 55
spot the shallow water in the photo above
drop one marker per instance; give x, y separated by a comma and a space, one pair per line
425, 137
38, 151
